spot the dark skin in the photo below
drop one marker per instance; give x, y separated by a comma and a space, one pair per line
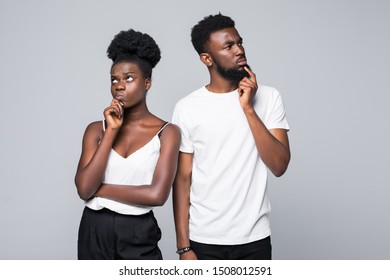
129, 126
225, 47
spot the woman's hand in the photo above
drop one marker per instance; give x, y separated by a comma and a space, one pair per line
114, 114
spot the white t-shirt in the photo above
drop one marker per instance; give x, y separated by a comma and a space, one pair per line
229, 201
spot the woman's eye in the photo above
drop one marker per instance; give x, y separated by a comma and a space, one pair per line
114, 81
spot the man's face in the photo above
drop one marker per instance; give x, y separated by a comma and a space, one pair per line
228, 54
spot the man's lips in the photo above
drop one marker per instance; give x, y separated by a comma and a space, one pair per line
241, 61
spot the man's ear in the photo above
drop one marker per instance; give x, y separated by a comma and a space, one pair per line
148, 83
206, 59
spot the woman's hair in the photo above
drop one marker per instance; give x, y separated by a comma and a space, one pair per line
200, 33
136, 47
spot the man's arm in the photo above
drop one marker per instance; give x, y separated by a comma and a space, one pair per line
272, 145
181, 203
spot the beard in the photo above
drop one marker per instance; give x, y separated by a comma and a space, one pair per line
232, 74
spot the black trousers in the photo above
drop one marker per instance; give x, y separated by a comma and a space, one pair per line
107, 235
257, 250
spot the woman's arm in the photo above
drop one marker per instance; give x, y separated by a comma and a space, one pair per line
158, 191
94, 156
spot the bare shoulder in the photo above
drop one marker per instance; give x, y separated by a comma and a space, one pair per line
94, 130
173, 129
171, 133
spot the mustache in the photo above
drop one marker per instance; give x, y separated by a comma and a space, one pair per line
241, 58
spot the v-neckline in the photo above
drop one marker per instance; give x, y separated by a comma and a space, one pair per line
137, 150
147, 143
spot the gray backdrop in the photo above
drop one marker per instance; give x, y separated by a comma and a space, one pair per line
329, 59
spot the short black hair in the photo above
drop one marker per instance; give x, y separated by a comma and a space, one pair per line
134, 46
200, 33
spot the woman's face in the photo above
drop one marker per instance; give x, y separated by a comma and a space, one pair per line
128, 84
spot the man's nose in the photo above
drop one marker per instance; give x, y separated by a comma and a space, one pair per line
239, 50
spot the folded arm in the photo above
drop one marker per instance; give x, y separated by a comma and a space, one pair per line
156, 193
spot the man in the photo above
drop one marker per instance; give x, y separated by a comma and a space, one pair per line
232, 131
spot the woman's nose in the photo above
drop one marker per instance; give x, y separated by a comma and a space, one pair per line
121, 85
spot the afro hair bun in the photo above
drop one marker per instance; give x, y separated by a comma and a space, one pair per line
129, 43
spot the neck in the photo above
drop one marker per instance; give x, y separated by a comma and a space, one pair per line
136, 115
219, 84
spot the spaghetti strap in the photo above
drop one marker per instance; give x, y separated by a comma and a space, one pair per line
161, 129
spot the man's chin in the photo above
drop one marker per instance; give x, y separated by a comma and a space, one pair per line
234, 74
243, 71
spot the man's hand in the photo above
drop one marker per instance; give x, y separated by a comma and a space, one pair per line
190, 255
247, 89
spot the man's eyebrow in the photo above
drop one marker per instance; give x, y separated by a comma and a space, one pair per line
231, 41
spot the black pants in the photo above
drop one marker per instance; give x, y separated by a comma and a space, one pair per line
107, 235
257, 250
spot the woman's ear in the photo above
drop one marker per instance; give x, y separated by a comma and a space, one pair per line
206, 59
148, 83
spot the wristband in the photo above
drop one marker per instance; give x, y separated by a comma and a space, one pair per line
183, 250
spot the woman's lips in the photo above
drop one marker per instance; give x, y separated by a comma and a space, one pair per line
119, 96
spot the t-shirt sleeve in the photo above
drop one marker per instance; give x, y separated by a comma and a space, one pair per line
277, 117
186, 145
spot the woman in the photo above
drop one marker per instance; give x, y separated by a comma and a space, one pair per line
128, 161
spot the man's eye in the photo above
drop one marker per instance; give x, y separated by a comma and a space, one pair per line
129, 79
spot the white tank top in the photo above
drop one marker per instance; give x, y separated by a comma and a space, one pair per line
136, 169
